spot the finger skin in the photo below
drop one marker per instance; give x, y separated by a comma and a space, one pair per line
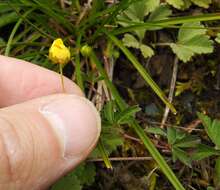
21, 81
31, 155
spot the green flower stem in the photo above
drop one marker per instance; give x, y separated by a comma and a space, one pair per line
61, 77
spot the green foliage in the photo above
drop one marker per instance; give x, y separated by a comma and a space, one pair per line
137, 12
179, 142
84, 174
80, 25
130, 41
203, 151
217, 39
156, 131
191, 41
111, 126
184, 4
212, 128
160, 13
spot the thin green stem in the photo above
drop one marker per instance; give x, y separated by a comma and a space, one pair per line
61, 77
8, 46
167, 22
78, 72
105, 158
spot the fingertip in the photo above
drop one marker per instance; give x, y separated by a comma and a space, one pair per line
75, 122
21, 81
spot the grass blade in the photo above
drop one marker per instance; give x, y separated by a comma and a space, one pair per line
142, 71
105, 158
8, 46
167, 22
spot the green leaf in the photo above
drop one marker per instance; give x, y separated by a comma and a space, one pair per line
191, 42
176, 3
217, 39
156, 131
146, 51
108, 111
151, 5
123, 117
160, 13
183, 4
182, 156
204, 151
186, 34
137, 12
68, 183
84, 174
130, 41
188, 141
202, 3
212, 128
171, 135
140, 9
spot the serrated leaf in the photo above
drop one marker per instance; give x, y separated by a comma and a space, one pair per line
184, 4
136, 12
202, 3
176, 3
130, 41
160, 13
217, 39
182, 52
146, 51
193, 42
186, 33
204, 151
212, 128
151, 5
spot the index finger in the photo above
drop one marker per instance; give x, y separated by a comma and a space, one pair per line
21, 81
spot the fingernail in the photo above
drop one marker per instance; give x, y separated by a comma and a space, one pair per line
76, 124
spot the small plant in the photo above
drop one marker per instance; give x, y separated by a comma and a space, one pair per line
108, 37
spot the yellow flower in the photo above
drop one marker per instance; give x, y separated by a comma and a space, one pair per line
58, 52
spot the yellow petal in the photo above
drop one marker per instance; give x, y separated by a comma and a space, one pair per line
59, 53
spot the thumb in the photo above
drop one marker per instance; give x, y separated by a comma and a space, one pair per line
43, 139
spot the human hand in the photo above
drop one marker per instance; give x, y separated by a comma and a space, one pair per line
41, 137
